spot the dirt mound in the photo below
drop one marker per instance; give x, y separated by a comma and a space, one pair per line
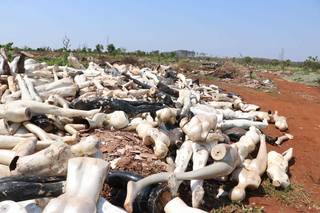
226, 71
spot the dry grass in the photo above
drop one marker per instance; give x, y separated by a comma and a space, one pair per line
294, 196
237, 207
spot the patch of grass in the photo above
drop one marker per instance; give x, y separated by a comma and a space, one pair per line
207, 77
309, 78
238, 207
252, 75
294, 195
187, 65
61, 60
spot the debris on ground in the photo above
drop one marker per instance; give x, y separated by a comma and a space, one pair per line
228, 72
133, 134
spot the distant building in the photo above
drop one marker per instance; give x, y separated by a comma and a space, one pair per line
185, 53
155, 52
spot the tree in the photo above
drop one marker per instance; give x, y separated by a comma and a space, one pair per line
26, 48
247, 60
111, 48
48, 49
155, 52
66, 43
119, 51
99, 48
8, 46
275, 62
312, 63
84, 49
285, 64
140, 53
172, 55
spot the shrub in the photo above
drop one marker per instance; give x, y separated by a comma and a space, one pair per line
9, 49
285, 64
247, 60
111, 48
312, 63
99, 48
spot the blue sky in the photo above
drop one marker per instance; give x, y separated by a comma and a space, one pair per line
217, 27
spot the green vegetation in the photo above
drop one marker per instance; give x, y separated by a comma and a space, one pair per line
99, 48
238, 207
247, 60
61, 60
9, 49
307, 72
295, 195
312, 63
111, 48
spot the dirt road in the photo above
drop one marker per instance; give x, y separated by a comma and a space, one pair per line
301, 105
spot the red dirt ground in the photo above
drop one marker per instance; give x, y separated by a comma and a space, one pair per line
301, 105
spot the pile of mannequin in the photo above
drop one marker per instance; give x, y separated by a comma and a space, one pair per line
48, 165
